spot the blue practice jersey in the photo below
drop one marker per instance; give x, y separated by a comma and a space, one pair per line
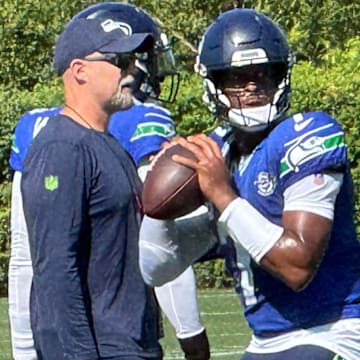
299, 146
26, 129
141, 130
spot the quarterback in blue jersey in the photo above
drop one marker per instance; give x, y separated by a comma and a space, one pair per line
283, 188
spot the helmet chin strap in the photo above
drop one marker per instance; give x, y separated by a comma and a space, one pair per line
254, 116
252, 119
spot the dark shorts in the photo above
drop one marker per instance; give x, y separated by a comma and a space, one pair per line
303, 352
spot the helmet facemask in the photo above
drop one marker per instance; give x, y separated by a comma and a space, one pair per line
227, 105
156, 77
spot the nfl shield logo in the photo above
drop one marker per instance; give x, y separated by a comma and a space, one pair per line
51, 182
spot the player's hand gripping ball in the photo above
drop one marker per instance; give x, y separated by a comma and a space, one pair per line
171, 189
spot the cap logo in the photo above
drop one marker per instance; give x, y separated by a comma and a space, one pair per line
111, 25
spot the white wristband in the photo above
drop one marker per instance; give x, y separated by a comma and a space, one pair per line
252, 230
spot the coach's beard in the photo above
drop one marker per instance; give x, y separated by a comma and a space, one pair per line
123, 98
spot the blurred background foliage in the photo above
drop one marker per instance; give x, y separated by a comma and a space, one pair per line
325, 35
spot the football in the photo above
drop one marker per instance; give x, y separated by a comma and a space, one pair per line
171, 189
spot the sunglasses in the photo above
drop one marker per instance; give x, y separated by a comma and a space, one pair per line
120, 60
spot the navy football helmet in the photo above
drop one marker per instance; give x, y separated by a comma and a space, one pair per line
152, 66
236, 39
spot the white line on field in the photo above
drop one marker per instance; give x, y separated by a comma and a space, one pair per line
222, 354
219, 313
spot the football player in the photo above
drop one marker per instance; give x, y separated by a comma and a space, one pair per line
141, 130
282, 186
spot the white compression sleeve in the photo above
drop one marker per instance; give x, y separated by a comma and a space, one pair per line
157, 251
178, 300
168, 247
250, 228
20, 278
314, 193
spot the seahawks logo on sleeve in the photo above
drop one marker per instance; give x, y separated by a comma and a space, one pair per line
310, 143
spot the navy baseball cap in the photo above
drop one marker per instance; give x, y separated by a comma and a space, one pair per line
82, 37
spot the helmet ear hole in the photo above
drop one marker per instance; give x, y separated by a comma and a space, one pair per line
277, 72
217, 76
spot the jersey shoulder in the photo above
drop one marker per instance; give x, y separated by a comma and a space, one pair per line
156, 121
27, 128
308, 143
32, 121
302, 123
142, 119
142, 129
155, 108
141, 113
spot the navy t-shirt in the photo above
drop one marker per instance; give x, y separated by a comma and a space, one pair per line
81, 203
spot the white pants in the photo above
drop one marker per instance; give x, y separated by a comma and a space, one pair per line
178, 301
20, 277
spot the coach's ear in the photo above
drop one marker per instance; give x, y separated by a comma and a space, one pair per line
79, 70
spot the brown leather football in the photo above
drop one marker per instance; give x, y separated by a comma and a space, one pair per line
171, 189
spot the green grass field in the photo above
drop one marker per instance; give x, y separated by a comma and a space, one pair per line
221, 313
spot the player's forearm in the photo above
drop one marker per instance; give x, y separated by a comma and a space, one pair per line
158, 259
282, 250
296, 256
221, 197
250, 228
